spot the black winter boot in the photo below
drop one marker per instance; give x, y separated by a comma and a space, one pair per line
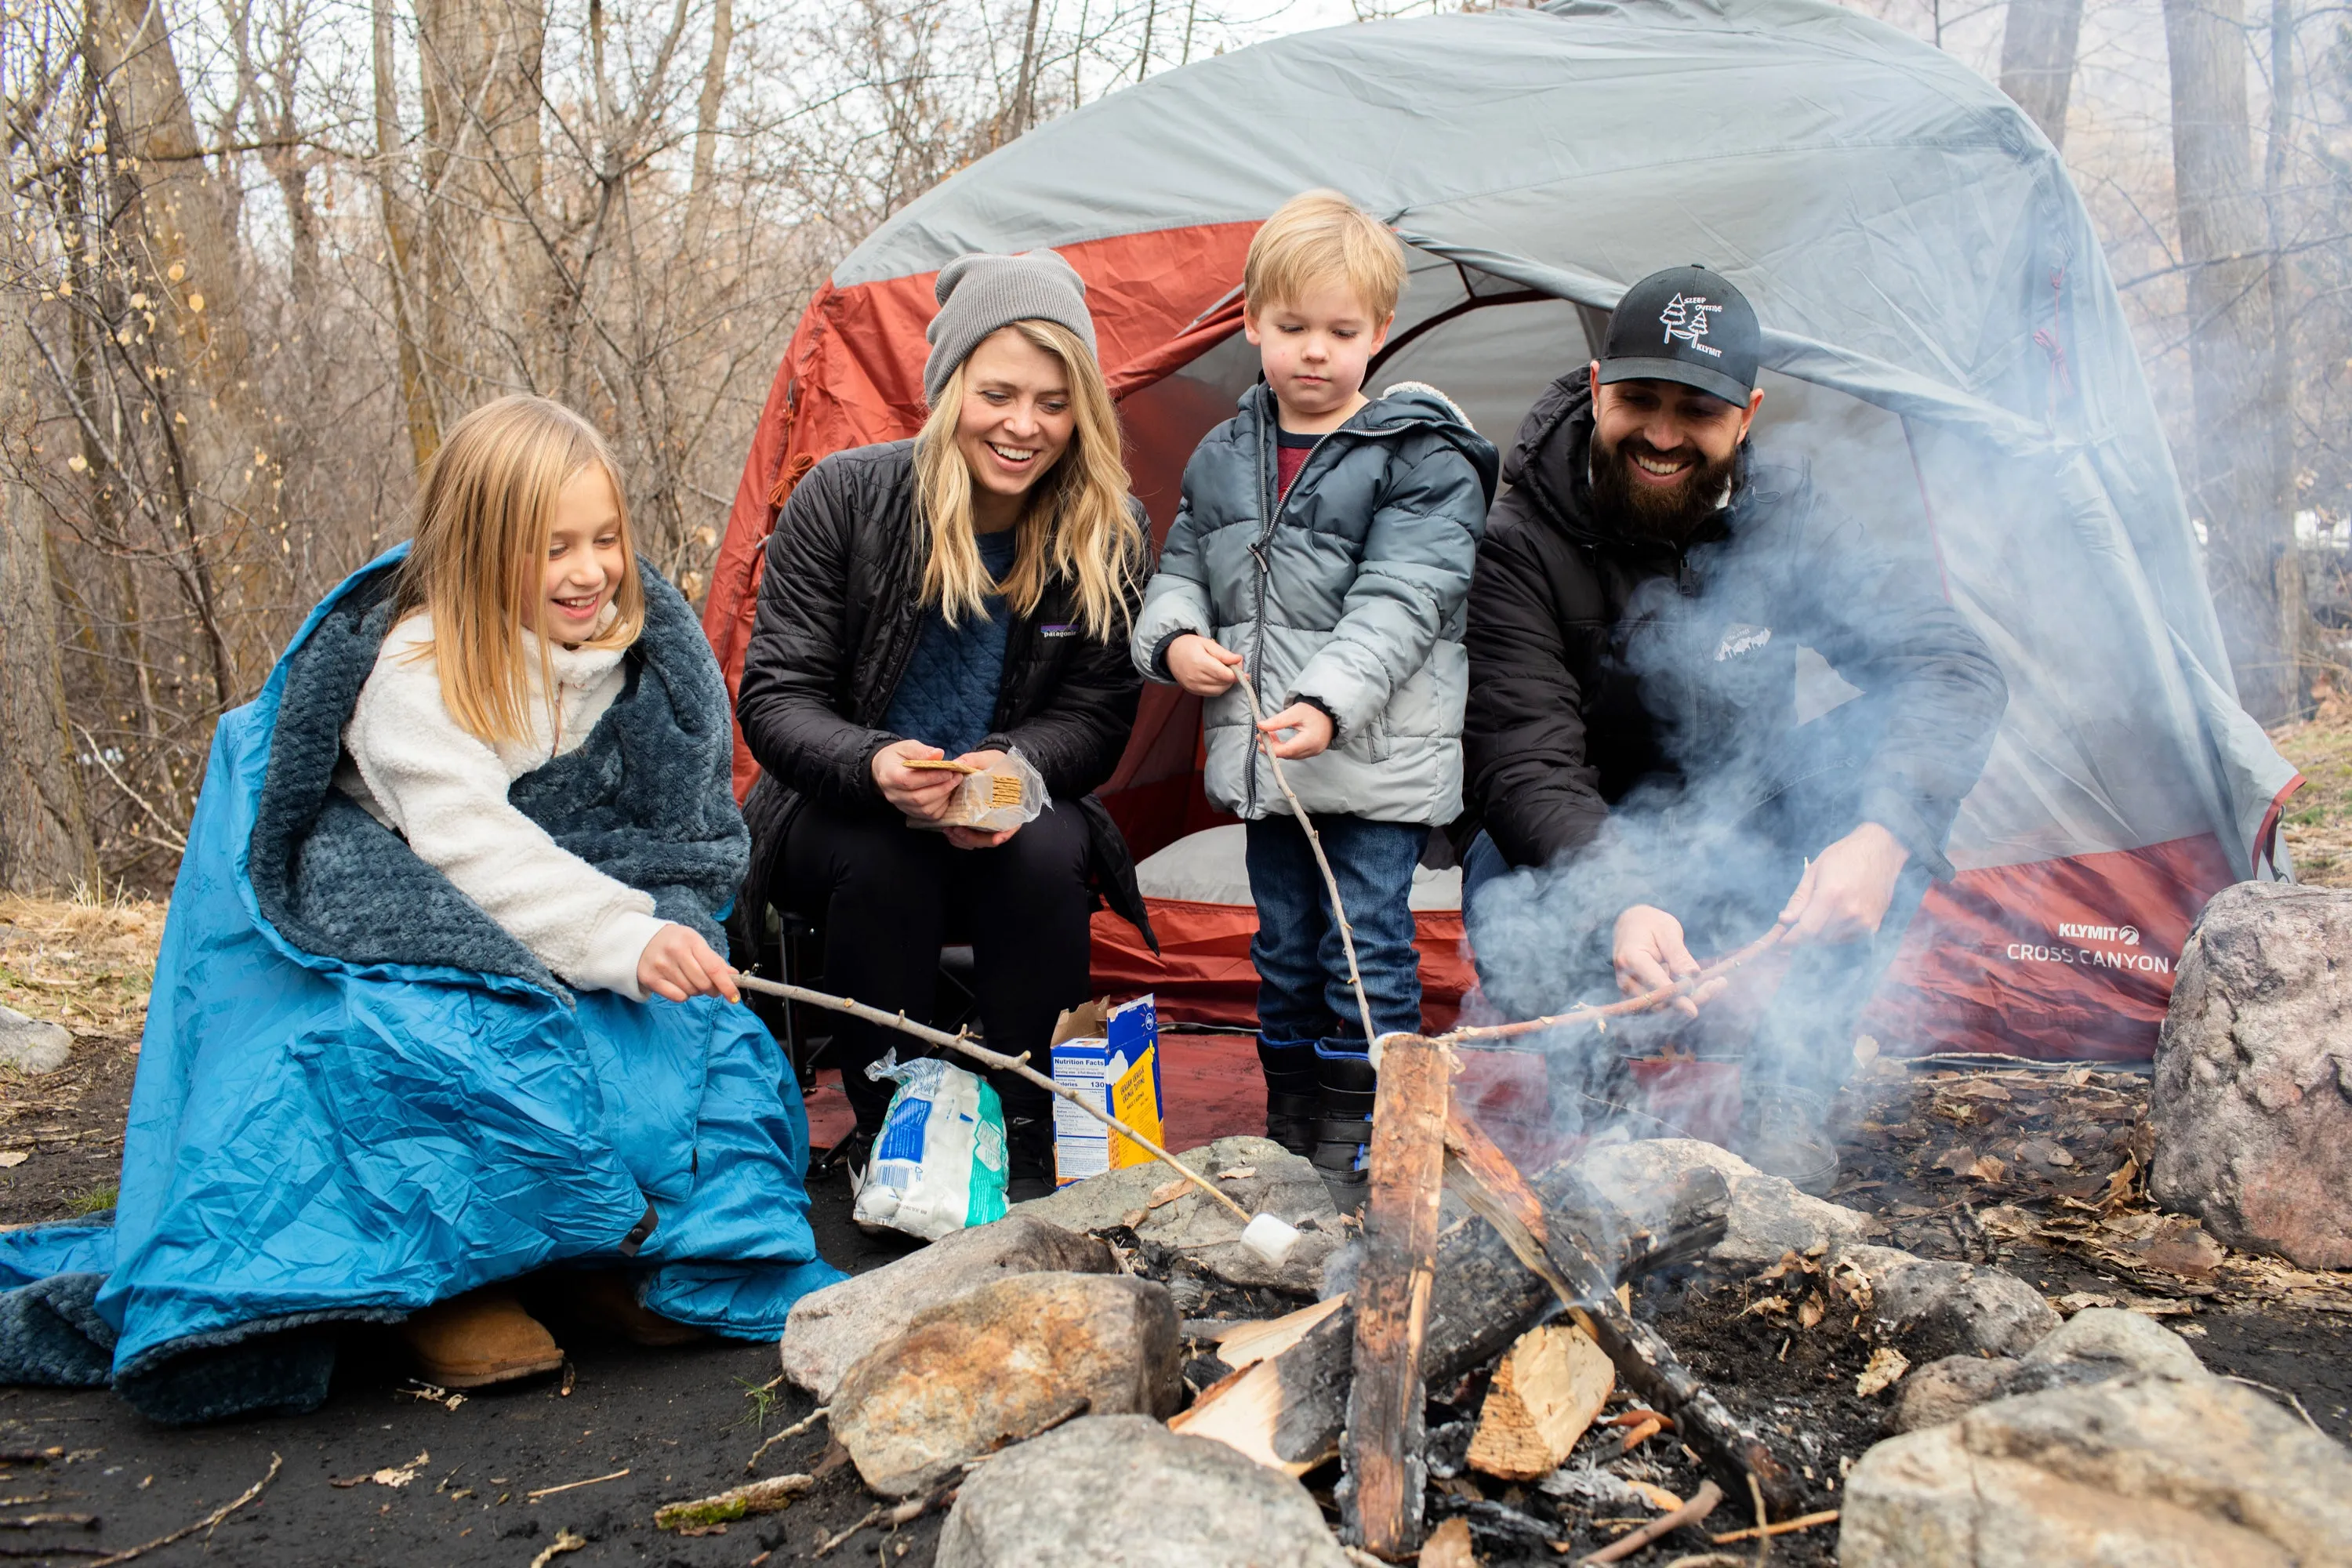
1343, 1129
1291, 1100
1029, 1155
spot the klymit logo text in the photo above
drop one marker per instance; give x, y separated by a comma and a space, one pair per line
2070, 932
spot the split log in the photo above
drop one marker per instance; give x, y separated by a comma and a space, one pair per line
1286, 1412
1488, 1181
1386, 1466
1546, 1391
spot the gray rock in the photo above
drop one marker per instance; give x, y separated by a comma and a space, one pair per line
829, 1329
2108, 1341
1947, 1389
2092, 1346
1941, 1309
1283, 1185
1000, 1362
1768, 1215
2251, 1104
2145, 1471
31, 1045
1120, 1491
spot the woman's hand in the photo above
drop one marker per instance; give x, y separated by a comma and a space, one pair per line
1200, 667
916, 792
678, 963
974, 837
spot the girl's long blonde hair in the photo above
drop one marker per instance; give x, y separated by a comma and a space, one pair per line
486, 506
1087, 536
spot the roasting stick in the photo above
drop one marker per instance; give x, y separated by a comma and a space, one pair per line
1019, 1067
1649, 1001
1313, 842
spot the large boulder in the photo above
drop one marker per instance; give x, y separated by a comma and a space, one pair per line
828, 1329
2251, 1104
1000, 1363
1120, 1491
2145, 1471
1257, 1174
1768, 1215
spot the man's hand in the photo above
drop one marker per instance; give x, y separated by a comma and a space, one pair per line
1200, 667
1846, 889
916, 792
1647, 952
677, 964
1310, 729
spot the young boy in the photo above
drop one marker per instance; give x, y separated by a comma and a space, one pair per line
1323, 547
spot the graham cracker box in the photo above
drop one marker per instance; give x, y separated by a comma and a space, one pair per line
1099, 1050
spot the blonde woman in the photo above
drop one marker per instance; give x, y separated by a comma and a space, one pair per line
959, 595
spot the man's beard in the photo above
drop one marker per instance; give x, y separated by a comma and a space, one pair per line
1672, 513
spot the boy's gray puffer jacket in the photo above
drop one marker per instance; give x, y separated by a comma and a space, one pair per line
1349, 593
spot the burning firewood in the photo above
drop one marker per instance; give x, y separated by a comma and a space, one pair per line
1287, 1410
1546, 1392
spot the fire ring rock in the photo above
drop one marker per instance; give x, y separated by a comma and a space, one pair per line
1120, 1491
1000, 1363
828, 1329
2251, 1104
2145, 1471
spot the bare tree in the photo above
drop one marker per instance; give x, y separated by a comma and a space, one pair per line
2037, 61
2235, 468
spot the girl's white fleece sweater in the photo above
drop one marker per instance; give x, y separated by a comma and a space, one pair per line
420, 772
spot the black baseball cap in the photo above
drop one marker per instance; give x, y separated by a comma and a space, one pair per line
1685, 324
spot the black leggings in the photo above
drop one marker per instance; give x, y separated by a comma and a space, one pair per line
889, 896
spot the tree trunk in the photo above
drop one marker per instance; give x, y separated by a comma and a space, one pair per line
399, 244
487, 277
705, 128
45, 840
2234, 467
2037, 61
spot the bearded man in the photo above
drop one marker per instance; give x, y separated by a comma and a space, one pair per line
1647, 752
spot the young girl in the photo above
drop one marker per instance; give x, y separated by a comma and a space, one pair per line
438, 1006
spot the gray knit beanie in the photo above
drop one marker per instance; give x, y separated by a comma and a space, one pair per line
981, 293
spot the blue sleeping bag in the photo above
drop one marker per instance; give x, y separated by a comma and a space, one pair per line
357, 1095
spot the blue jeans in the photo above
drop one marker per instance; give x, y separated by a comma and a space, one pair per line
1303, 994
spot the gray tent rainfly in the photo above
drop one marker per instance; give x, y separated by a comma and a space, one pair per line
1944, 343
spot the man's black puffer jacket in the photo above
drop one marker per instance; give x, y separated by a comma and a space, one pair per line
1602, 663
840, 612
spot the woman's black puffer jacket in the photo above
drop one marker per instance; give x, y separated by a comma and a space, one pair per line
841, 609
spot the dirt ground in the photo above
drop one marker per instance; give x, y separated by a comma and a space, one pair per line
2037, 1171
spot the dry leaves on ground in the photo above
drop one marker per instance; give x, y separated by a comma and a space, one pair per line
85, 965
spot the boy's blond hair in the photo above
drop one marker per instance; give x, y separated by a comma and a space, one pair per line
486, 505
1316, 237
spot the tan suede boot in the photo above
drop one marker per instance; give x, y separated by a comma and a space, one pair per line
479, 1338
608, 1301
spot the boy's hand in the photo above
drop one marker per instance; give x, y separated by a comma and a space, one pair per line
916, 792
678, 963
1310, 729
1648, 952
1200, 667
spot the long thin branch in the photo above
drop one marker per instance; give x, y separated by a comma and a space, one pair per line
1649, 1001
1017, 1066
1313, 842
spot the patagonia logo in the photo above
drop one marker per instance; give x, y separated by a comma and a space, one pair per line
1066, 629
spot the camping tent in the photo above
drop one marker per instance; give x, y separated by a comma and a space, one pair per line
1944, 343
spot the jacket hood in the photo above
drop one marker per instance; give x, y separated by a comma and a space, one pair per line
1552, 460
1406, 406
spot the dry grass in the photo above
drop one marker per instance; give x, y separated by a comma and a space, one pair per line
84, 962
2318, 822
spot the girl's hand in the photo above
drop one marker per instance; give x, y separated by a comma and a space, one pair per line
1200, 667
677, 964
973, 837
916, 792
1310, 729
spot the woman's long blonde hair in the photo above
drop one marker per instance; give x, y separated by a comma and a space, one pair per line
1087, 536
485, 508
